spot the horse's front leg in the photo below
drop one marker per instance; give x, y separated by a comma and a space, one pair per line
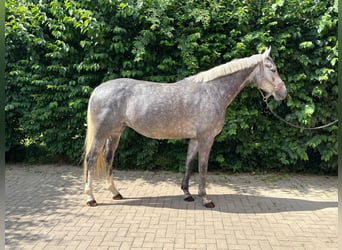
190, 159
110, 148
204, 151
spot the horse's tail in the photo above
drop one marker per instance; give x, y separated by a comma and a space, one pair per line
99, 168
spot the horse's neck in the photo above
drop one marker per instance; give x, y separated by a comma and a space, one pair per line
231, 85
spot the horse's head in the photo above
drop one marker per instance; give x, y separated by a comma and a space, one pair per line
268, 79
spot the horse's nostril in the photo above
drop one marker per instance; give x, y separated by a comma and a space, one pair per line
282, 93
285, 92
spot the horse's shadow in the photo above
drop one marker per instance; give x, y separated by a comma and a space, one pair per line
229, 203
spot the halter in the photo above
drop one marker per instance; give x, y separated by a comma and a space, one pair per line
262, 79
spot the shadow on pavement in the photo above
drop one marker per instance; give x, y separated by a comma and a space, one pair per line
229, 203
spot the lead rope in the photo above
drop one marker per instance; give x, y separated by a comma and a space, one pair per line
291, 124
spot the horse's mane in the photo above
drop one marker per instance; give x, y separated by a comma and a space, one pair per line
227, 68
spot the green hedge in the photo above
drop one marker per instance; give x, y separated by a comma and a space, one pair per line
58, 51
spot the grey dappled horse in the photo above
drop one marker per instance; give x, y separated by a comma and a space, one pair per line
192, 108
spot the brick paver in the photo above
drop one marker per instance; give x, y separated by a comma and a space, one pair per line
45, 209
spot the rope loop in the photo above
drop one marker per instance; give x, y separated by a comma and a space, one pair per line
291, 124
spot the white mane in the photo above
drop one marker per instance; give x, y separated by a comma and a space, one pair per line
227, 68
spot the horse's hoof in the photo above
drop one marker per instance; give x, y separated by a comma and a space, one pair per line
117, 197
189, 198
92, 203
209, 204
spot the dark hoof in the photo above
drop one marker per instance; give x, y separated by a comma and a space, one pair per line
92, 203
209, 204
189, 198
117, 197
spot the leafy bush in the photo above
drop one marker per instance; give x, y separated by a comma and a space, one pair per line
58, 51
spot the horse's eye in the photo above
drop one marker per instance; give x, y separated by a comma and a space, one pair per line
271, 67
268, 65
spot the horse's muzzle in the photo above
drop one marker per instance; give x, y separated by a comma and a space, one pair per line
281, 93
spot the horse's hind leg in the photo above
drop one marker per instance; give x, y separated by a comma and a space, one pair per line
190, 160
110, 148
88, 189
90, 161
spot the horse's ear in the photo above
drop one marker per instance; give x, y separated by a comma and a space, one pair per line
267, 52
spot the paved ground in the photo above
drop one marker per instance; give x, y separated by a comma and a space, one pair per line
45, 209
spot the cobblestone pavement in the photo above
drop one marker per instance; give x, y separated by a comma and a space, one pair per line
45, 209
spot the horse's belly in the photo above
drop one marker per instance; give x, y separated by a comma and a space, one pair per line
162, 130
